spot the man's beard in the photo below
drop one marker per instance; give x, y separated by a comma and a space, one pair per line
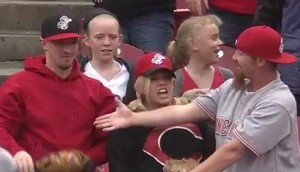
239, 79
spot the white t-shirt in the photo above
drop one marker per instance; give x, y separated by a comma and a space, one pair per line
117, 85
265, 121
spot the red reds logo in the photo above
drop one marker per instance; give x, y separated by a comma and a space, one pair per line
177, 142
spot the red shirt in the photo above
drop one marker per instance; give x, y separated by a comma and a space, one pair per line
189, 84
42, 113
237, 6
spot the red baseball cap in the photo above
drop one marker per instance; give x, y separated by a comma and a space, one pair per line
153, 62
264, 42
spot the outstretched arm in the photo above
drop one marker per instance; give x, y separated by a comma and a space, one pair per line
170, 115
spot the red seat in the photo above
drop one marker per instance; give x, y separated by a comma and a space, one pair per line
182, 10
130, 53
226, 61
180, 13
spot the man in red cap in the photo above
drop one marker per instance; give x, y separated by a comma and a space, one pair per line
254, 113
51, 105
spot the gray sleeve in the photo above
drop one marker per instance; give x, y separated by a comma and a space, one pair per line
178, 84
264, 128
209, 103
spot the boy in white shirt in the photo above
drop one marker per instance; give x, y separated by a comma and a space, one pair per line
103, 36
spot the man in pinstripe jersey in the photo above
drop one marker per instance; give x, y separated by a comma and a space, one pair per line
255, 113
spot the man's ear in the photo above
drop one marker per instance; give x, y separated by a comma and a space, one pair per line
260, 62
43, 44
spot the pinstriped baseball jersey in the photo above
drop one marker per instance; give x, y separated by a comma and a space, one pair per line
264, 121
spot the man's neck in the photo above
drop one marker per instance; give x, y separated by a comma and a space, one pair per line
63, 74
262, 80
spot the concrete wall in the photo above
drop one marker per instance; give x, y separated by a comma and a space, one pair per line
20, 24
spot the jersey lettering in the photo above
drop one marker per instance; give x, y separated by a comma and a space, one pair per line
225, 127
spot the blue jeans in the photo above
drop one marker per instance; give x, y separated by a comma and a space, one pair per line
233, 24
290, 76
150, 32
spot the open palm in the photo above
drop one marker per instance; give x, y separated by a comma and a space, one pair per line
121, 118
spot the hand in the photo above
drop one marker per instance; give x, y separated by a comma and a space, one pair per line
24, 162
99, 169
198, 7
192, 94
97, 1
121, 118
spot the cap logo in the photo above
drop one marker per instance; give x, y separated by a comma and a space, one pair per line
63, 23
158, 59
281, 46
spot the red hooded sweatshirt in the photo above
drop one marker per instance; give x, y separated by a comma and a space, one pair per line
236, 6
42, 113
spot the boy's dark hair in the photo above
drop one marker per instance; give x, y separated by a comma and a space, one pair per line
94, 13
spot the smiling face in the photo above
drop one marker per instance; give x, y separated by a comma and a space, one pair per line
206, 43
159, 91
246, 67
197, 40
104, 37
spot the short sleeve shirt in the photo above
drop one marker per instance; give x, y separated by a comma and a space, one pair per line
265, 121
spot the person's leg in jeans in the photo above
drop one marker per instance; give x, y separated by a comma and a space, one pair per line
7, 162
233, 24
150, 32
290, 73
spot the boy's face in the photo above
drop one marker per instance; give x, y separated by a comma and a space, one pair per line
104, 37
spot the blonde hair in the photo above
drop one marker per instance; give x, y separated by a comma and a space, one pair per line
178, 49
141, 85
142, 90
